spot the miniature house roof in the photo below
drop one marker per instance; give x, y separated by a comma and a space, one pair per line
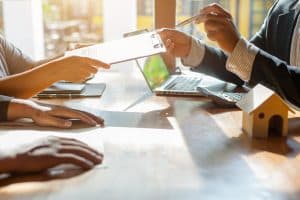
256, 97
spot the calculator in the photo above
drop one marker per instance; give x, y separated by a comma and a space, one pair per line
226, 96
225, 99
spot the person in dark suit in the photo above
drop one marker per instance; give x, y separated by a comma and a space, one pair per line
270, 57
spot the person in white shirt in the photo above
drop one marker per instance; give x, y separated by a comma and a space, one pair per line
22, 77
270, 57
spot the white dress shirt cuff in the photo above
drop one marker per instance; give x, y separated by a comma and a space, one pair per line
195, 55
240, 61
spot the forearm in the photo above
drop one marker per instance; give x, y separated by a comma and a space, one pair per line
29, 83
44, 61
6, 163
278, 75
213, 64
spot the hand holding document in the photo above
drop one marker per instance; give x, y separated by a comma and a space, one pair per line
125, 49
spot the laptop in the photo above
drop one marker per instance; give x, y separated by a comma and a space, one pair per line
161, 82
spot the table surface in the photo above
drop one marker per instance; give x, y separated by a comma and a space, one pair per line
166, 148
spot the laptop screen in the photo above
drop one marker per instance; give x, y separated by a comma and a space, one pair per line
154, 70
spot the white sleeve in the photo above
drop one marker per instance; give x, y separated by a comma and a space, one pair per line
240, 61
195, 55
16, 60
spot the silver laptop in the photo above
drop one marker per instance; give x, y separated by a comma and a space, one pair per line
161, 82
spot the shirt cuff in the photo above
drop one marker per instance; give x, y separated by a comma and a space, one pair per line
195, 55
4, 103
240, 61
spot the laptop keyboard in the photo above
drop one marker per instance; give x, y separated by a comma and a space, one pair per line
184, 83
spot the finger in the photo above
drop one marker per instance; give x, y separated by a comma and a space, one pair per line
81, 145
164, 33
171, 34
72, 114
170, 48
71, 159
91, 69
98, 120
97, 63
82, 152
169, 45
72, 141
215, 8
211, 16
52, 141
48, 120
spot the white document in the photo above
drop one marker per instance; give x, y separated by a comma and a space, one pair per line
125, 49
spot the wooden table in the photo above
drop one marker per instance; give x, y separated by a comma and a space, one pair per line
172, 148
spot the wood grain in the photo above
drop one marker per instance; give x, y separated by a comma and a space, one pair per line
172, 148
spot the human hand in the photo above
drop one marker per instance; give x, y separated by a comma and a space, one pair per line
49, 115
177, 43
76, 68
47, 153
219, 26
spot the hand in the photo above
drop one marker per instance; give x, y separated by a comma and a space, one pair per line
219, 26
76, 68
47, 153
49, 115
178, 44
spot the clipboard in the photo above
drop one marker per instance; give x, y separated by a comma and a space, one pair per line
124, 49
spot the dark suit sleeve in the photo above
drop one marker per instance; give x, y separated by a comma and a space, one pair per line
213, 64
277, 75
4, 102
214, 60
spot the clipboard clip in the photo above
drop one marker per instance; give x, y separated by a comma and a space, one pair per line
156, 41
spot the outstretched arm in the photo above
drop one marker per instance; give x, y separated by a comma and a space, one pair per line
30, 82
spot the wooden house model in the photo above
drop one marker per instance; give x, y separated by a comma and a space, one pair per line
264, 113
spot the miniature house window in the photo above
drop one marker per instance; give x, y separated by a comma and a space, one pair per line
261, 115
275, 126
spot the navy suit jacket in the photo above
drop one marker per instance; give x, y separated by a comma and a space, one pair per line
272, 63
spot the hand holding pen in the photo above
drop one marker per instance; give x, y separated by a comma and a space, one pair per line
218, 25
212, 10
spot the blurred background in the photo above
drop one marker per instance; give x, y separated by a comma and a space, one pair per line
90, 21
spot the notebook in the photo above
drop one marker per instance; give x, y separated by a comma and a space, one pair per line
161, 82
64, 88
73, 90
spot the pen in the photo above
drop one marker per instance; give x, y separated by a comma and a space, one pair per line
187, 21
190, 20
